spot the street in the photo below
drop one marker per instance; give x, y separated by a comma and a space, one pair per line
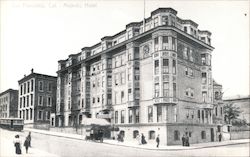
66, 147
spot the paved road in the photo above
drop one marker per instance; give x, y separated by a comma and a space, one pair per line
66, 147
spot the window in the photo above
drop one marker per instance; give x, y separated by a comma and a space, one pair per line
48, 115
21, 101
165, 63
31, 114
93, 100
130, 116
165, 42
204, 77
185, 55
116, 79
156, 67
203, 59
135, 133
109, 81
27, 99
199, 114
173, 43
31, 99
137, 118
122, 96
221, 111
156, 21
28, 88
122, 116
174, 66
204, 96
176, 135
24, 90
123, 78
24, 101
150, 114
116, 117
21, 89
191, 73
40, 114
186, 71
202, 116
165, 89
216, 111
203, 134
164, 20
50, 87
49, 102
32, 85
185, 29
40, 100
151, 135
137, 93
159, 113
20, 114
157, 90
174, 90
40, 85
156, 41
136, 53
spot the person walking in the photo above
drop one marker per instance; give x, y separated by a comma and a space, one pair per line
183, 139
158, 141
138, 137
17, 144
220, 137
26, 144
143, 141
29, 139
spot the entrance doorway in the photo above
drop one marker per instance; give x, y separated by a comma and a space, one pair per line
212, 134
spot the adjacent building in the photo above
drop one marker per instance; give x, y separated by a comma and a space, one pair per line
243, 103
9, 103
154, 77
37, 98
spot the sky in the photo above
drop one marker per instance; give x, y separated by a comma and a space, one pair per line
36, 34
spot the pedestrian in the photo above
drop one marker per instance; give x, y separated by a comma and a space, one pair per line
158, 141
17, 144
220, 136
183, 140
143, 141
187, 141
26, 144
138, 138
29, 139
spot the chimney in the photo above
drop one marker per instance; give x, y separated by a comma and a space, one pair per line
32, 70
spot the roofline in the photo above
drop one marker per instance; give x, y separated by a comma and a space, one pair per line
35, 74
8, 90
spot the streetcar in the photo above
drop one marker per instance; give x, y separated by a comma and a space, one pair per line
11, 123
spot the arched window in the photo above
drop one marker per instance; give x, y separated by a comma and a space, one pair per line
203, 135
151, 135
135, 133
176, 135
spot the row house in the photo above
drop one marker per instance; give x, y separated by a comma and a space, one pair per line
37, 98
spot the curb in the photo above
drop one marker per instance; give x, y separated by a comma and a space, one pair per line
165, 149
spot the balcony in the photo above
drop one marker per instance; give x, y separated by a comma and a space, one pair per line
165, 100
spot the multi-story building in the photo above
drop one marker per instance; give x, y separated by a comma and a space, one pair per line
154, 77
37, 98
8, 103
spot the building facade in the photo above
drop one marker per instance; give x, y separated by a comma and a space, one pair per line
37, 98
154, 77
244, 104
9, 103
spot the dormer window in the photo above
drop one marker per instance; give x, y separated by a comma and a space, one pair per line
155, 21
164, 20
185, 29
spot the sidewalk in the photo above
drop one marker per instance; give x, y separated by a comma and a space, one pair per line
147, 146
7, 148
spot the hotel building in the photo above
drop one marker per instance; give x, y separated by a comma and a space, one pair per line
37, 99
154, 77
8, 103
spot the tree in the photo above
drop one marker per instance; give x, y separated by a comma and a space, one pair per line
231, 112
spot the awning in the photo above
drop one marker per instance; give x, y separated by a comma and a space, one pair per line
95, 121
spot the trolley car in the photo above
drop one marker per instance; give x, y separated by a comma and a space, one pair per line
11, 123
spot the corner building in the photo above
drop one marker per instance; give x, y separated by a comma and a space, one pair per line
37, 99
154, 77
